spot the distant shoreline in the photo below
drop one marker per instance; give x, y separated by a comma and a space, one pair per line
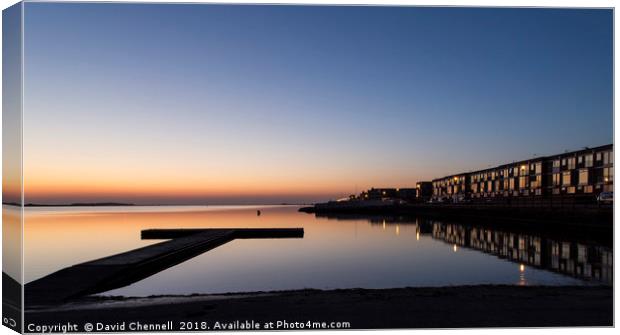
115, 204
78, 204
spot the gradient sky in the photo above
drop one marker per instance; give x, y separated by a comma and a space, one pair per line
154, 103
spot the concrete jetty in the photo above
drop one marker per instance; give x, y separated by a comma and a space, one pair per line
238, 233
122, 269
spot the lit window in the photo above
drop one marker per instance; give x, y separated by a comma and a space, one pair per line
536, 183
522, 182
565, 178
583, 177
556, 179
571, 163
608, 157
589, 160
608, 175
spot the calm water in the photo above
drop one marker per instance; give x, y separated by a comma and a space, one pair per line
343, 252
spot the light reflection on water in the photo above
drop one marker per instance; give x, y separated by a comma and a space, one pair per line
341, 252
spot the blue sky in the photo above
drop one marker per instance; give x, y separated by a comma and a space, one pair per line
306, 102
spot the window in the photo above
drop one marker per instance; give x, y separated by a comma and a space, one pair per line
589, 160
556, 179
598, 156
522, 182
583, 177
580, 159
608, 157
588, 189
608, 175
512, 184
563, 161
556, 163
538, 168
565, 178
536, 183
571, 163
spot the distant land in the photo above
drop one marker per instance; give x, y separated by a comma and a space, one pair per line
103, 204
77, 204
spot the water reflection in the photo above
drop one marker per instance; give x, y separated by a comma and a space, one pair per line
589, 262
336, 252
582, 260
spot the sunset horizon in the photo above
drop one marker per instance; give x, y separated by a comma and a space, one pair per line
193, 195
292, 112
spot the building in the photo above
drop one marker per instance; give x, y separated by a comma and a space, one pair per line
378, 193
584, 172
408, 194
424, 190
587, 171
522, 178
451, 187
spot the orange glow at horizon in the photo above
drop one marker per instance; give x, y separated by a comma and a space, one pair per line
51, 178
182, 186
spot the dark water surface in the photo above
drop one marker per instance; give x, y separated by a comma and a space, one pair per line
343, 252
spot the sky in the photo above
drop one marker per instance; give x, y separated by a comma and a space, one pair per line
221, 104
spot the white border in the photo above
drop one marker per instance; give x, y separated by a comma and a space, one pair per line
471, 3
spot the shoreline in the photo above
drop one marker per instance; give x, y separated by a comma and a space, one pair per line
576, 218
422, 307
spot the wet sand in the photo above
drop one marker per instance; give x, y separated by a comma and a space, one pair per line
441, 307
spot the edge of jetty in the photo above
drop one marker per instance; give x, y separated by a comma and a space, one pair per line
122, 269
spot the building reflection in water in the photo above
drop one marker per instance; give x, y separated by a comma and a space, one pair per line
586, 261
522, 281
